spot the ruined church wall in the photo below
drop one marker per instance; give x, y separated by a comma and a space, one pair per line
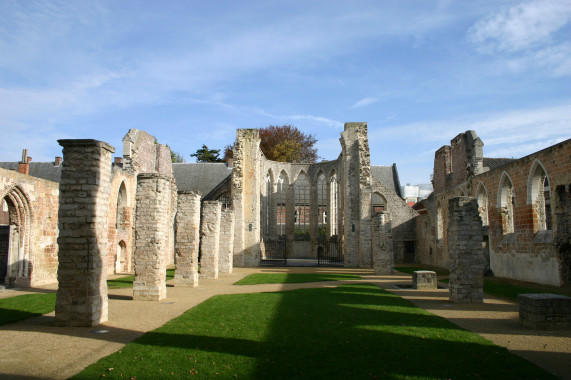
403, 220
121, 222
527, 253
42, 231
246, 184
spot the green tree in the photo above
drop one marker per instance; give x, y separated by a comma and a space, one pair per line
284, 143
207, 155
175, 157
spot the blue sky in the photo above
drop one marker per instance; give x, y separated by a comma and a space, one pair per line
192, 72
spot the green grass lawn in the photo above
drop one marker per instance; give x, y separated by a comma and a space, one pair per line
290, 278
18, 308
351, 332
510, 291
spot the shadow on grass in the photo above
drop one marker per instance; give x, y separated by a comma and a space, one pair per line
352, 331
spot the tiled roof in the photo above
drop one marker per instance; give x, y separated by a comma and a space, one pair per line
202, 177
388, 176
494, 163
44, 170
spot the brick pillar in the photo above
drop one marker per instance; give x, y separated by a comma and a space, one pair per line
210, 239
152, 223
83, 205
465, 248
187, 239
226, 241
383, 257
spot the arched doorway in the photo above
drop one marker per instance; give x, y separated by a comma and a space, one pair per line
14, 238
123, 260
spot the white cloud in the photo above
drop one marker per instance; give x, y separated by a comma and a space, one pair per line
522, 126
522, 26
365, 102
532, 35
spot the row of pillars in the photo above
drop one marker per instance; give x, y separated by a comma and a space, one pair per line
83, 226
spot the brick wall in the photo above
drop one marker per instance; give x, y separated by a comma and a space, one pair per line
40, 235
528, 253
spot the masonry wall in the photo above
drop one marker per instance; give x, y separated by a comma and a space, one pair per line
187, 239
403, 222
84, 196
226, 249
39, 265
528, 253
121, 216
210, 239
152, 238
246, 185
465, 245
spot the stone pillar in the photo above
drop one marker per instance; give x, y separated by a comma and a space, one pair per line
187, 239
83, 205
226, 250
465, 248
246, 185
383, 257
357, 246
210, 239
152, 224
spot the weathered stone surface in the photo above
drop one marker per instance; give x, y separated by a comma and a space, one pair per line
84, 194
246, 184
465, 246
152, 238
383, 258
225, 261
210, 239
187, 239
544, 311
424, 279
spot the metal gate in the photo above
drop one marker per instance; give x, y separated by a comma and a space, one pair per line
274, 253
329, 253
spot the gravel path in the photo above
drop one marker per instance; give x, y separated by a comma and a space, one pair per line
36, 349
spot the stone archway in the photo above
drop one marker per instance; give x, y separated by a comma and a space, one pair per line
15, 217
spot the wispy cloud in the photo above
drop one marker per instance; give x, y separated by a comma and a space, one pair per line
529, 35
522, 26
365, 102
509, 128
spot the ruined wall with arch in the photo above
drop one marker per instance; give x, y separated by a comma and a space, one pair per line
312, 206
29, 235
522, 205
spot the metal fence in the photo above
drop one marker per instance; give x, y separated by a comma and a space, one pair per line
275, 252
330, 254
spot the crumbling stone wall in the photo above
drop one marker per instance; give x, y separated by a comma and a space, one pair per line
465, 246
84, 196
246, 185
226, 249
356, 179
152, 224
403, 220
383, 258
523, 252
563, 232
35, 204
187, 239
210, 239
121, 233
